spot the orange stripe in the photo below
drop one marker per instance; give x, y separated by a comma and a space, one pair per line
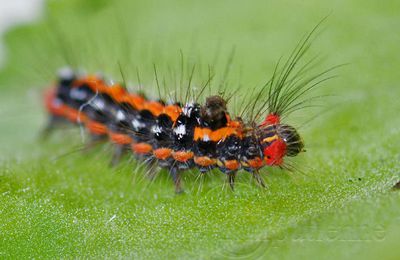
59, 110
96, 84
141, 148
204, 161
74, 115
173, 111
232, 164
135, 101
182, 156
156, 108
117, 92
222, 133
118, 138
96, 127
162, 153
255, 163
217, 135
200, 133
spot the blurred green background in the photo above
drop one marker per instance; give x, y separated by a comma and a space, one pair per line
56, 201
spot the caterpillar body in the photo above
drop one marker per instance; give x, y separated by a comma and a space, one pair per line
178, 136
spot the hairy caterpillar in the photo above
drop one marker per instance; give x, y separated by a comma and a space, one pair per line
179, 136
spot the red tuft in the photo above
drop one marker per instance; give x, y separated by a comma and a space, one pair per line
274, 153
271, 119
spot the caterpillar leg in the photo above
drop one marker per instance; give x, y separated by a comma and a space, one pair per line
258, 179
176, 177
231, 179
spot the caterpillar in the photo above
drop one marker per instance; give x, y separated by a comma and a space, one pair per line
180, 137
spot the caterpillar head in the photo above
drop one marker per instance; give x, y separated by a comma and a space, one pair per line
279, 140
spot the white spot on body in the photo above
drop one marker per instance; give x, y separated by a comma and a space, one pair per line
98, 104
156, 129
206, 138
77, 94
137, 124
120, 115
180, 131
